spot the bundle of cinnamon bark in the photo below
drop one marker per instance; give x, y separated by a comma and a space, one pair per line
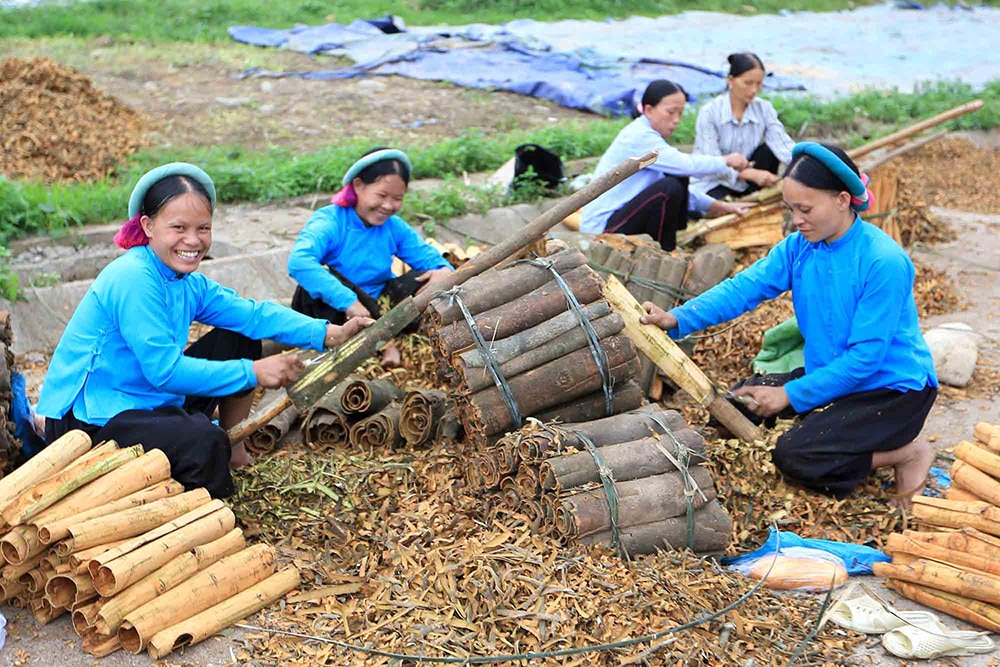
650, 457
105, 534
377, 414
952, 563
541, 351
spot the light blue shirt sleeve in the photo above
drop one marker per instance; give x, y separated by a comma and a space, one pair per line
305, 262
414, 250
875, 323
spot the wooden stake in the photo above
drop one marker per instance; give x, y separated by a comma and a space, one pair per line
915, 129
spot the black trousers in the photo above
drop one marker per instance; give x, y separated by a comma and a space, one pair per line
762, 158
660, 211
397, 289
197, 449
830, 449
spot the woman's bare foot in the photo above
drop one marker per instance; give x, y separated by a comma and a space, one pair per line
391, 356
240, 457
911, 465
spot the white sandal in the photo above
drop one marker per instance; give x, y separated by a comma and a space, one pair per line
867, 615
935, 641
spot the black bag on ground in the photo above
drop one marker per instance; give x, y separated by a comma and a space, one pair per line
532, 160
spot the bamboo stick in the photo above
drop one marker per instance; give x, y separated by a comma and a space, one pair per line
978, 613
115, 575
915, 129
223, 580
944, 577
49, 461
988, 435
130, 522
979, 458
109, 616
907, 545
976, 481
57, 487
205, 624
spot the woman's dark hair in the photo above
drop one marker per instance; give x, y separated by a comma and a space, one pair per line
167, 189
740, 63
812, 173
373, 172
659, 89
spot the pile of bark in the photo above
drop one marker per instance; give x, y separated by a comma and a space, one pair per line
541, 350
377, 414
953, 563
106, 535
662, 497
10, 446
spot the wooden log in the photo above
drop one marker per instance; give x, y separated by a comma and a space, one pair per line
915, 129
477, 379
20, 544
130, 522
626, 460
627, 396
45, 494
379, 431
979, 458
326, 427
427, 415
954, 514
214, 619
556, 382
981, 614
528, 311
109, 616
903, 544
113, 574
46, 463
265, 439
711, 533
501, 286
976, 481
944, 577
365, 397
209, 587
655, 343
57, 529
988, 435
653, 498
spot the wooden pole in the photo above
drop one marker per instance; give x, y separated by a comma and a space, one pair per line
915, 129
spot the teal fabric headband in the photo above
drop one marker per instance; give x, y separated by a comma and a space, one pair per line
370, 159
852, 182
154, 176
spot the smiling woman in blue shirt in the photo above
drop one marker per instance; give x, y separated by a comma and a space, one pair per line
342, 259
868, 382
121, 371
656, 200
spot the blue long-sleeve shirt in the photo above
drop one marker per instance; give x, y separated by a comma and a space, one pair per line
854, 304
635, 140
123, 349
336, 237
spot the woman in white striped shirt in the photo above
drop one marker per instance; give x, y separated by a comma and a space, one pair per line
740, 122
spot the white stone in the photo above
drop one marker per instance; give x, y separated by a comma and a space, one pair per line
371, 85
955, 348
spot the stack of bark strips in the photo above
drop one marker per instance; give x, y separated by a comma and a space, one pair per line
267, 438
652, 468
104, 534
10, 446
543, 354
377, 414
665, 278
952, 563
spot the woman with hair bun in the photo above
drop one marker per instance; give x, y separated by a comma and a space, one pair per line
740, 122
869, 381
656, 200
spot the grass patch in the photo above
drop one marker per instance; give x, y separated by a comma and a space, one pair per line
207, 20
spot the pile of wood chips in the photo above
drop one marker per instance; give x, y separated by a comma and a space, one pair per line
953, 173
56, 126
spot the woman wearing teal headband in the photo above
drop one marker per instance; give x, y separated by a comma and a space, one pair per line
342, 259
868, 382
121, 371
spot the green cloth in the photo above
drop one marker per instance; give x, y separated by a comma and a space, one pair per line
783, 349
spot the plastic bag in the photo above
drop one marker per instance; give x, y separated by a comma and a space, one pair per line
796, 568
857, 559
3, 630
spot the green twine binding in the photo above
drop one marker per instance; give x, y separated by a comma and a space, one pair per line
608, 481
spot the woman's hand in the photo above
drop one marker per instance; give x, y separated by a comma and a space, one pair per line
658, 316
336, 335
277, 370
736, 161
761, 177
767, 400
430, 276
356, 309
720, 207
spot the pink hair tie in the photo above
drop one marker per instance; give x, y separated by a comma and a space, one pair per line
866, 201
131, 234
346, 198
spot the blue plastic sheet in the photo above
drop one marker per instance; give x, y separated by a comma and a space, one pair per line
858, 559
23, 417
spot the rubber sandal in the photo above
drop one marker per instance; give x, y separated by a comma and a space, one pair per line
866, 615
935, 641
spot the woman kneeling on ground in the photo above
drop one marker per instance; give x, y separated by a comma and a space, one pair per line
121, 371
656, 201
868, 382
740, 122
342, 259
